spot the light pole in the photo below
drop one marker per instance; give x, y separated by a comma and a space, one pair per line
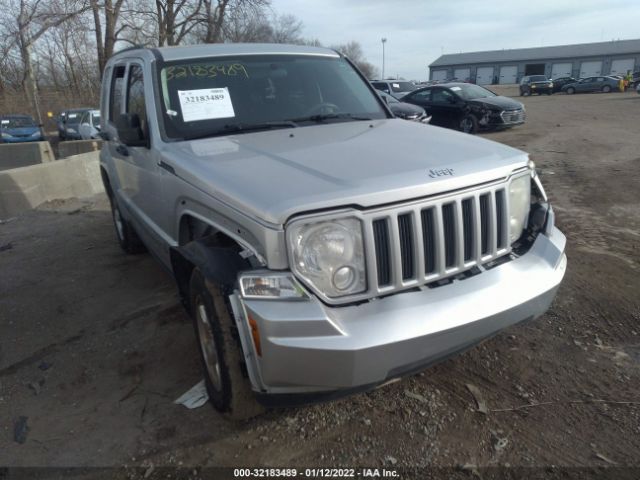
384, 40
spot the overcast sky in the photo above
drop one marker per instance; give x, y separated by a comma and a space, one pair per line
418, 31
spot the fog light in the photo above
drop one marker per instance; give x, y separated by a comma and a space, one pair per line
344, 277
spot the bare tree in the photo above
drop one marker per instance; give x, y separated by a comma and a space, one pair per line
353, 51
106, 16
34, 19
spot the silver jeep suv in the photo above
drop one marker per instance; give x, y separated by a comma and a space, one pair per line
321, 246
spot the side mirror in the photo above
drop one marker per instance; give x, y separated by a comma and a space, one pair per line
130, 130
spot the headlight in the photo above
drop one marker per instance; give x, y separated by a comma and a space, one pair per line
6, 135
519, 204
71, 130
329, 255
35, 134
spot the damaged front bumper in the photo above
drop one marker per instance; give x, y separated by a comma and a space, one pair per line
311, 351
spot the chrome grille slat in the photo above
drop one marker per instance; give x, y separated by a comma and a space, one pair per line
434, 239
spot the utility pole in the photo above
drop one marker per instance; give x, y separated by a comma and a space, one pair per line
384, 40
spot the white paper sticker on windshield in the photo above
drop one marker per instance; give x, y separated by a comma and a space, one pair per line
455, 89
205, 104
73, 115
5, 122
396, 85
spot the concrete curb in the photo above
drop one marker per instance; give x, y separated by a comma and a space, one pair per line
24, 188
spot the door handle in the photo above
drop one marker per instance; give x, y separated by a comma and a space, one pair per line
122, 150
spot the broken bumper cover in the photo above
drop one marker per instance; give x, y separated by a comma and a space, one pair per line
314, 352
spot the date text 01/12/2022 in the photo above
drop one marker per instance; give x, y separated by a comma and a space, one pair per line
315, 473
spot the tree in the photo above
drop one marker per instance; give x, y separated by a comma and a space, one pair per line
34, 19
106, 17
353, 51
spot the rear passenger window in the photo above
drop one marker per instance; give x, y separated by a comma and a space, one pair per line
135, 94
115, 101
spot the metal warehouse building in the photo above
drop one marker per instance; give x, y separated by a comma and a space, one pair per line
509, 66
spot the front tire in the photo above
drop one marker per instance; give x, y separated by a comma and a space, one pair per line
469, 124
220, 350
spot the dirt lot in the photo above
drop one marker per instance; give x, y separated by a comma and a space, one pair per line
94, 346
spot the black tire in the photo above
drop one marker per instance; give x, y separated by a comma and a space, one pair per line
571, 90
526, 93
127, 237
606, 89
468, 124
220, 350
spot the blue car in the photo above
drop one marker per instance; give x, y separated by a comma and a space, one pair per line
20, 128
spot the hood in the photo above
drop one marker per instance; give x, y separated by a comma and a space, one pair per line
21, 131
275, 174
503, 103
541, 82
403, 109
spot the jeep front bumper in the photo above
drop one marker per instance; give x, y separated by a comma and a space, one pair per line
312, 351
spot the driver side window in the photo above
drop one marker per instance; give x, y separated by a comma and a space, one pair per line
442, 96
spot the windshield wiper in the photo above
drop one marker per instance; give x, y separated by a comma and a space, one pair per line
329, 116
243, 128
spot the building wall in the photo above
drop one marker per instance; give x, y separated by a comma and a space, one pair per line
576, 62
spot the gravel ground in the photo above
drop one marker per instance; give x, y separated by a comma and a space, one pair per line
94, 346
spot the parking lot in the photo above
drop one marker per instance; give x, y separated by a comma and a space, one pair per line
94, 346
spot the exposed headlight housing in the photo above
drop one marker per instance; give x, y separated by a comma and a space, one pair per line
328, 255
36, 134
519, 205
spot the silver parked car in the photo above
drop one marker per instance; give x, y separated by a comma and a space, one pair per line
316, 254
89, 125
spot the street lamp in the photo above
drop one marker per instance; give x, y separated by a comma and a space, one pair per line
384, 40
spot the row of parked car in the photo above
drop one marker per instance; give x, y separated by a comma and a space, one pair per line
461, 106
75, 124
532, 84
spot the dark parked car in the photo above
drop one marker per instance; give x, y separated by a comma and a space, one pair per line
20, 128
560, 82
593, 84
395, 88
404, 110
467, 107
69, 123
539, 84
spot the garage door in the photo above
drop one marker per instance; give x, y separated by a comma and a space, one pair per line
462, 74
439, 75
622, 66
484, 76
590, 69
508, 74
561, 70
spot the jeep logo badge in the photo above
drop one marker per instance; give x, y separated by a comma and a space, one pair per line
440, 173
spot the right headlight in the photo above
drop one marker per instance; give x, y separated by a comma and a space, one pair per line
328, 255
519, 205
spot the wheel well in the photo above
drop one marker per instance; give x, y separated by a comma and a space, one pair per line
194, 231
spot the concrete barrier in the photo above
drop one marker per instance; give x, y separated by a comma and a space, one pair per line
76, 147
16, 155
25, 188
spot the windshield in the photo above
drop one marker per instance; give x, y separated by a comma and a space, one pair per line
212, 96
402, 86
17, 122
538, 78
469, 91
388, 97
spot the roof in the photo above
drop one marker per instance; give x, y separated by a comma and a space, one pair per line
617, 47
232, 49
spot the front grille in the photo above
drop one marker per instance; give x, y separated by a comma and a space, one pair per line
419, 243
513, 116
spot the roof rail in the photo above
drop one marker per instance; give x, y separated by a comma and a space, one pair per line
133, 47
